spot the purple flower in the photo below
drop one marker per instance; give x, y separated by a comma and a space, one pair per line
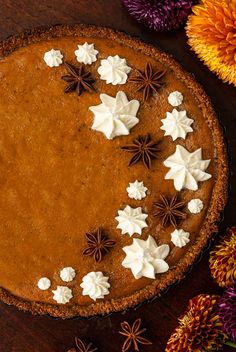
160, 15
227, 311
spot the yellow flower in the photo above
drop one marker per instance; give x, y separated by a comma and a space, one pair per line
223, 259
212, 35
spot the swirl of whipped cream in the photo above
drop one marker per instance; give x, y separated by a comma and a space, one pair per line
95, 285
131, 220
175, 98
176, 124
186, 168
136, 190
146, 258
53, 58
86, 54
115, 116
44, 283
195, 206
67, 274
114, 70
62, 294
180, 238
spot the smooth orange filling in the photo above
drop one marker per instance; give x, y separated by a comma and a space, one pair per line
59, 179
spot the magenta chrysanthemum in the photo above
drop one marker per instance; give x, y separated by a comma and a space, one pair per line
160, 15
227, 311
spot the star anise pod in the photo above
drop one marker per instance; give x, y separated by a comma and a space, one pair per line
147, 81
78, 79
170, 211
133, 335
98, 245
81, 347
144, 149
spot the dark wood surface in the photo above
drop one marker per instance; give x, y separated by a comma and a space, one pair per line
22, 332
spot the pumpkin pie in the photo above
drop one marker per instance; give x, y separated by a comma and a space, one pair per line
113, 171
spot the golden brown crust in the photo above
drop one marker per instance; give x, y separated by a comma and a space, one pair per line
219, 196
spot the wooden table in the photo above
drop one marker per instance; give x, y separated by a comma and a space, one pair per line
22, 332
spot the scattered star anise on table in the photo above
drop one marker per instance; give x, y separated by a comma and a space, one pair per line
81, 347
98, 244
133, 335
170, 211
147, 81
78, 79
144, 149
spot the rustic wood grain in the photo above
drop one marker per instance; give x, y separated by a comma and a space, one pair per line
22, 332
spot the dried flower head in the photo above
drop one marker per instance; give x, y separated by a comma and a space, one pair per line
160, 15
227, 311
223, 259
200, 329
212, 35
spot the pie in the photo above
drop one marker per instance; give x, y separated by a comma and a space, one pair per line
113, 171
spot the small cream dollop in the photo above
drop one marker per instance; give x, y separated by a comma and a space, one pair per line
95, 285
180, 238
136, 190
114, 70
67, 274
131, 220
62, 294
195, 206
44, 283
175, 98
86, 54
53, 58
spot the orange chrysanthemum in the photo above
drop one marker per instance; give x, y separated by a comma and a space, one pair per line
200, 329
223, 259
212, 35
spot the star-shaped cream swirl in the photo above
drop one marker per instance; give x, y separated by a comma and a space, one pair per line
114, 70
115, 116
131, 220
146, 258
180, 238
53, 58
195, 206
175, 98
67, 274
86, 53
62, 294
176, 124
186, 168
95, 285
136, 190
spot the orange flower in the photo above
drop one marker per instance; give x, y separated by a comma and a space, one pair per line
223, 259
200, 329
212, 35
